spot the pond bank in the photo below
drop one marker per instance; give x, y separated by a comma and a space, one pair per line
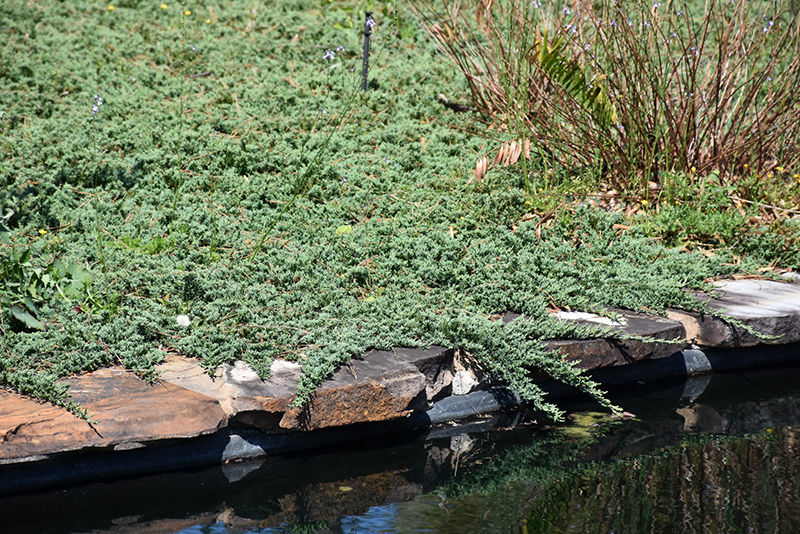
281, 492
189, 419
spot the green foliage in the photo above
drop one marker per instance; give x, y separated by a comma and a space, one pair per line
713, 217
569, 75
24, 287
366, 231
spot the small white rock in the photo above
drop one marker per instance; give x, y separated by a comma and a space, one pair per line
283, 366
241, 372
591, 317
463, 383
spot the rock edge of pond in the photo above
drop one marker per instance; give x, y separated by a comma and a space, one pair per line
188, 418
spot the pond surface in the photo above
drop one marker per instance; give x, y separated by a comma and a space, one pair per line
712, 454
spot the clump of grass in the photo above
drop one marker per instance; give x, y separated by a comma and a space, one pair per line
631, 89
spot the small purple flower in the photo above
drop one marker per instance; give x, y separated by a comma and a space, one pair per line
340, 48
329, 55
98, 101
193, 48
371, 23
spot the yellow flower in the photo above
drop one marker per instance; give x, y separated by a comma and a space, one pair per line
796, 176
163, 6
187, 12
42, 231
693, 169
208, 21
645, 203
111, 8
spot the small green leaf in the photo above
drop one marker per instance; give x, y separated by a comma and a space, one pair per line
31, 305
25, 316
79, 274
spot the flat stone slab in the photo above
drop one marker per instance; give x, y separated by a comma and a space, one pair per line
124, 410
594, 353
383, 385
769, 307
29, 430
377, 388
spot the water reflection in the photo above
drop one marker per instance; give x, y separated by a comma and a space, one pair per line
708, 455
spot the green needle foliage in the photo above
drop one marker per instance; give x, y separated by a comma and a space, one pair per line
382, 243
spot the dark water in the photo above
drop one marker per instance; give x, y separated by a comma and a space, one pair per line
714, 454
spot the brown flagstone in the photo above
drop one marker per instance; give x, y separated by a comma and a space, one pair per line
124, 412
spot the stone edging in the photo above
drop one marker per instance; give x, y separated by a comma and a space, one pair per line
236, 415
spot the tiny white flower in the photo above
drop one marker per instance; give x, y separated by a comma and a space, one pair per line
183, 320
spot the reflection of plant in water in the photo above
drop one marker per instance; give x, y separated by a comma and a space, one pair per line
536, 461
709, 483
494, 496
732, 480
309, 528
